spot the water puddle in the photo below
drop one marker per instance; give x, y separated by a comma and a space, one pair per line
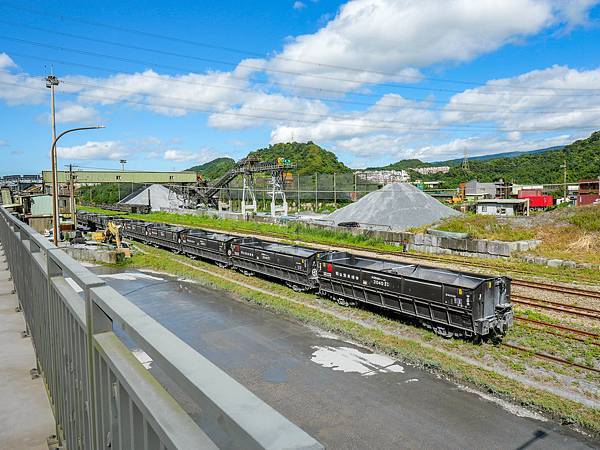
130, 276
347, 359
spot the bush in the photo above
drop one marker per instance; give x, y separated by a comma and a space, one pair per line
587, 218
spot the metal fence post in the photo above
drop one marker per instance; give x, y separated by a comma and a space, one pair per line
316, 191
97, 322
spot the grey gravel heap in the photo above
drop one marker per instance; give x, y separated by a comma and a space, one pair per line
397, 206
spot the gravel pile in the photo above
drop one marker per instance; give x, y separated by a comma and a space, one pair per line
397, 206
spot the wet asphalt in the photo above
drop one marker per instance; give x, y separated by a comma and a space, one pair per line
399, 407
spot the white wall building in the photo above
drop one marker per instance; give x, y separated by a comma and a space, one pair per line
432, 170
384, 176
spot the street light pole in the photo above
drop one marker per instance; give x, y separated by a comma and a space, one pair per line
55, 211
51, 83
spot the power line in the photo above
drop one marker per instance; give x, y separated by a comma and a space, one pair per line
326, 99
262, 69
245, 52
441, 128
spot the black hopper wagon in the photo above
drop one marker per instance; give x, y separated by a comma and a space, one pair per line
449, 302
135, 229
207, 245
166, 236
296, 266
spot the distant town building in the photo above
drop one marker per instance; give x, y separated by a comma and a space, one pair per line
432, 170
384, 176
475, 190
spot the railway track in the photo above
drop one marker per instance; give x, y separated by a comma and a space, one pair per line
549, 357
557, 306
557, 288
587, 335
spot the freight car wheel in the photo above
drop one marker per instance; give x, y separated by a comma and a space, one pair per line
443, 331
295, 287
344, 302
222, 265
174, 250
189, 255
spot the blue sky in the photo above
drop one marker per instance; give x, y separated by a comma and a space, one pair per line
179, 83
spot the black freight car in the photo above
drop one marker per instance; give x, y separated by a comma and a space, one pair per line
135, 229
207, 245
295, 265
451, 303
161, 235
95, 221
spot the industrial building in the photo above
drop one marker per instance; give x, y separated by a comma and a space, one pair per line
504, 207
589, 192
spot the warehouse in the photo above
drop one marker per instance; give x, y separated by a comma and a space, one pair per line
506, 207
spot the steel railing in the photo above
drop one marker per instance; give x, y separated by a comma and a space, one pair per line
101, 395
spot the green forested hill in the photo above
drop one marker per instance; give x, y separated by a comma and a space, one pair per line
583, 161
309, 157
215, 168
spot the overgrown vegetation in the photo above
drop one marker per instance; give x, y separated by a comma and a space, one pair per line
586, 218
376, 331
485, 227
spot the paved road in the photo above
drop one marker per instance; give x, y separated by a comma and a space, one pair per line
340, 393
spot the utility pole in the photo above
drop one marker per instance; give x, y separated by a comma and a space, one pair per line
51, 83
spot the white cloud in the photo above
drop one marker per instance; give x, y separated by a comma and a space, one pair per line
372, 148
392, 36
73, 112
484, 145
391, 113
76, 113
95, 150
165, 94
180, 156
3, 143
298, 5
6, 61
262, 108
519, 97
18, 88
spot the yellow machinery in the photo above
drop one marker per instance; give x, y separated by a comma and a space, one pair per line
112, 235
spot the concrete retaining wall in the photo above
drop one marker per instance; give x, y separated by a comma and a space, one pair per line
428, 243
90, 254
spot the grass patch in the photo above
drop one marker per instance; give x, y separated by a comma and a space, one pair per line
438, 360
586, 218
485, 227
